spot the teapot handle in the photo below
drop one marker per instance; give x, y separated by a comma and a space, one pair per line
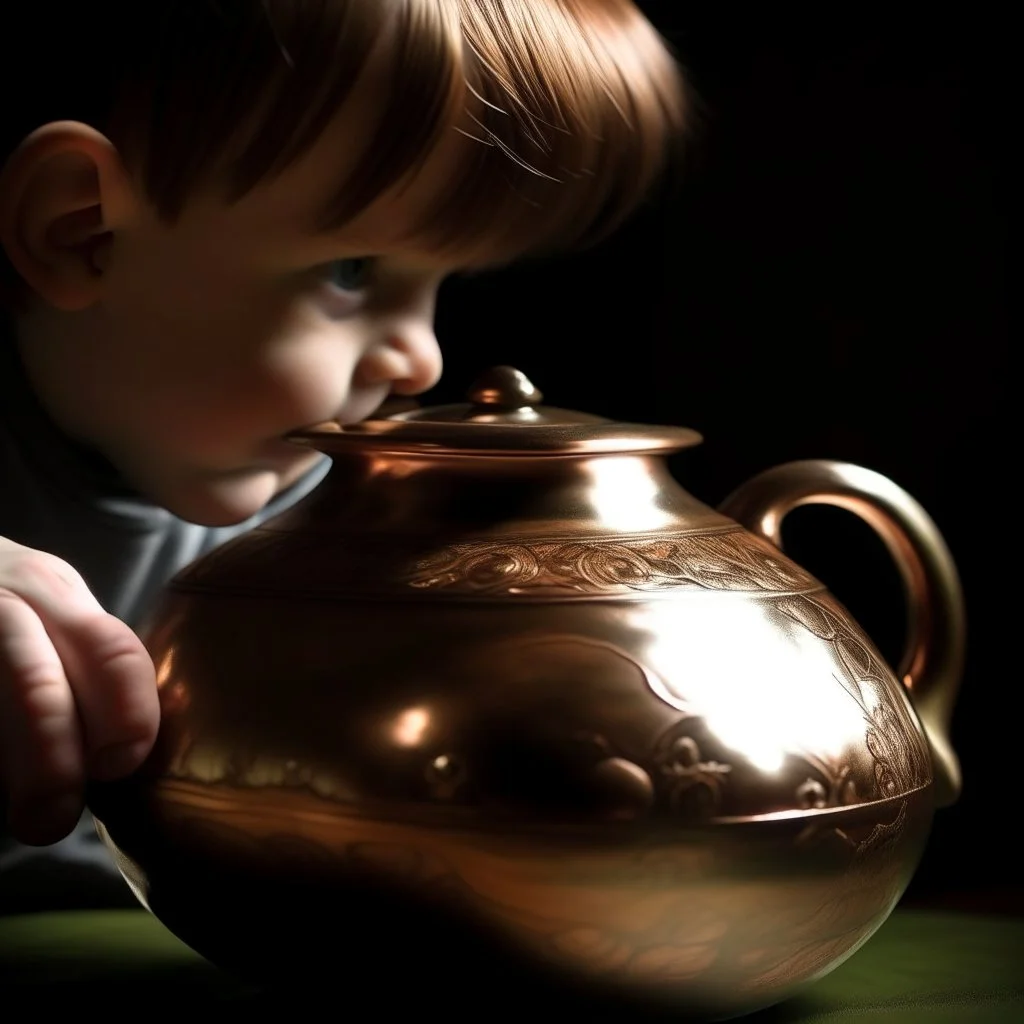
933, 657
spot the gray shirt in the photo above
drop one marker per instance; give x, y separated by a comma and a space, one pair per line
60, 498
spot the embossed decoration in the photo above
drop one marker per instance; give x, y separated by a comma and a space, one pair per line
693, 785
725, 560
838, 789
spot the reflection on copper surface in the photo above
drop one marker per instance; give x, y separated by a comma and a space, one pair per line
770, 694
626, 496
410, 727
165, 668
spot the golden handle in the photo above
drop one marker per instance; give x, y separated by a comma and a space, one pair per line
933, 658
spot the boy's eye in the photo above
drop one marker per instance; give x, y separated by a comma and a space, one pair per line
350, 275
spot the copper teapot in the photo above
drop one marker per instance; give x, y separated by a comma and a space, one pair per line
501, 696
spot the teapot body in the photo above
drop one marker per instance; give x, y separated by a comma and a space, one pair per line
500, 714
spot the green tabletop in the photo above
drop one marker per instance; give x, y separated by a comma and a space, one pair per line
940, 968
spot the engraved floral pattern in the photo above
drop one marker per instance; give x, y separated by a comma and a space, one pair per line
729, 560
294, 563
894, 740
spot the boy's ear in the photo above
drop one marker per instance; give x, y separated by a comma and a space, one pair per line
63, 193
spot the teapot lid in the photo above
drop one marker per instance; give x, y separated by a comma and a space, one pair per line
502, 415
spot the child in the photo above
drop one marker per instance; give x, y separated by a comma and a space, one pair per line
223, 221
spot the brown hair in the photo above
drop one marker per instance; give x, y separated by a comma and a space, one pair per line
575, 104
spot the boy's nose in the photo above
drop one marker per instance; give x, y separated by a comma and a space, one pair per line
407, 357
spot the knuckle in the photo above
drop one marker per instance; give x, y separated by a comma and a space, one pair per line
41, 694
124, 698
30, 571
45, 726
10, 602
111, 642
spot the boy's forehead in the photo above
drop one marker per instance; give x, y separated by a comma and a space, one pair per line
293, 202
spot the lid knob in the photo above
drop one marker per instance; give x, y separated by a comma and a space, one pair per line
504, 387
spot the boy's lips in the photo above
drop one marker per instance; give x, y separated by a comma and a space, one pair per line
282, 453
359, 410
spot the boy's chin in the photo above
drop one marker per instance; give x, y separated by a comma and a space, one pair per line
222, 502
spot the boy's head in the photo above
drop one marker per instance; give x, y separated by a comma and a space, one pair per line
227, 220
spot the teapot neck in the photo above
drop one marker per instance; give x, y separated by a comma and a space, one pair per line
489, 496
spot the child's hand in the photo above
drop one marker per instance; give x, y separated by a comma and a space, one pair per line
78, 695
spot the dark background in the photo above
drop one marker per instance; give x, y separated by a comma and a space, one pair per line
829, 281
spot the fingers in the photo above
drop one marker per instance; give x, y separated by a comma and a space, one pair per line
40, 738
78, 694
114, 685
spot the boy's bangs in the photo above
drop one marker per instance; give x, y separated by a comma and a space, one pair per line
570, 106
